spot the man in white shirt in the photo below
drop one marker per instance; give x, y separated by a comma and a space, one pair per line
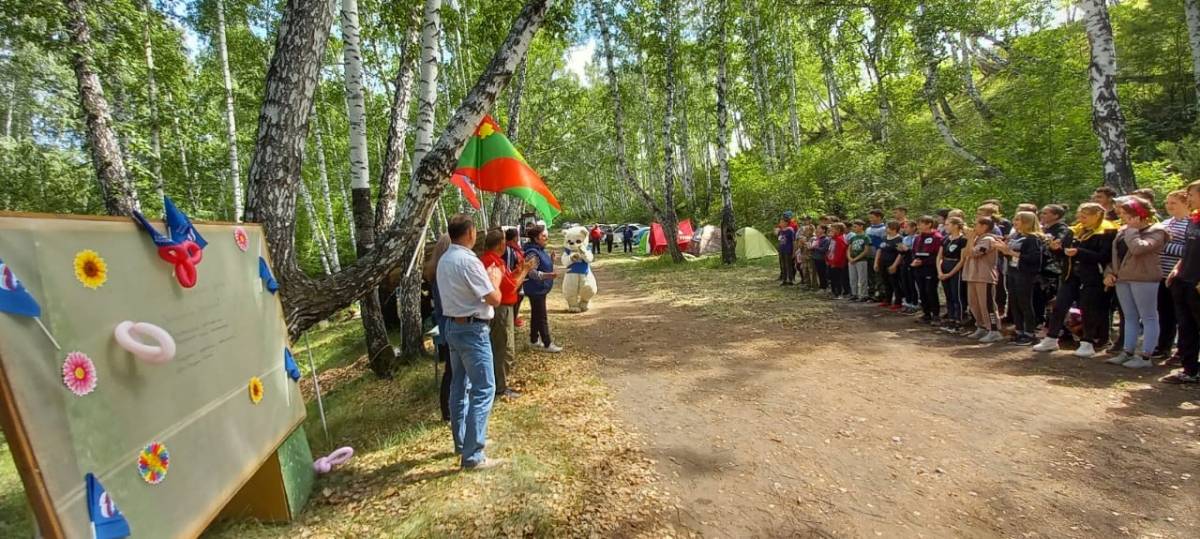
468, 293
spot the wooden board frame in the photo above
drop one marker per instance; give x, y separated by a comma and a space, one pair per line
26, 460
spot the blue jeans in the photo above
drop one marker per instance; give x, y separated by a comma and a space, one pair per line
1139, 314
472, 388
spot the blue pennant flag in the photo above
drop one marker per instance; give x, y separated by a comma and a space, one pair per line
179, 227
107, 520
289, 364
264, 272
14, 298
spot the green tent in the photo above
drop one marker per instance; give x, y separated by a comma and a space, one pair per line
752, 244
643, 247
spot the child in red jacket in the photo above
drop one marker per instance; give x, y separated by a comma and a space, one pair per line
838, 260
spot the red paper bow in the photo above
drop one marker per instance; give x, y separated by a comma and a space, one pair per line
184, 257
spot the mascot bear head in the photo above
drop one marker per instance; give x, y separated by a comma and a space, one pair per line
576, 238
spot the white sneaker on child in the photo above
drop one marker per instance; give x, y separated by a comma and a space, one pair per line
1048, 344
1085, 350
979, 333
1138, 362
552, 348
1120, 359
991, 337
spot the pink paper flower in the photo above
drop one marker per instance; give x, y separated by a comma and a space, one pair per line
240, 237
79, 373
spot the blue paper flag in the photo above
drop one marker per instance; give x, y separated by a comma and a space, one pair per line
107, 520
179, 227
264, 272
289, 364
14, 298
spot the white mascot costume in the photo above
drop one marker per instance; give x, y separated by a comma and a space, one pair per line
579, 285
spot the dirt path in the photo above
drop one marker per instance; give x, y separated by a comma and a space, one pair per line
874, 427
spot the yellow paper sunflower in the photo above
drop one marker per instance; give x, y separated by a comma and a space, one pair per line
90, 269
256, 390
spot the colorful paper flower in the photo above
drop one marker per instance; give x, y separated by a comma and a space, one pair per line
90, 269
153, 462
256, 390
241, 238
79, 373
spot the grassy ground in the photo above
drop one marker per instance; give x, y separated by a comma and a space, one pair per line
746, 290
14, 513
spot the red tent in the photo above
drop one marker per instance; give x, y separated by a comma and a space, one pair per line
658, 237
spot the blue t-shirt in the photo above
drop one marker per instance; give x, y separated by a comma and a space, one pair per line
575, 267
877, 233
787, 237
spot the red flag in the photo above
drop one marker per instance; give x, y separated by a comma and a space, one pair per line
468, 190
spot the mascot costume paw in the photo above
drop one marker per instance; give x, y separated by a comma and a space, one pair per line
579, 285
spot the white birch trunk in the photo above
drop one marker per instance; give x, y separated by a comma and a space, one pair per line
1191, 9
356, 111
152, 98
323, 172
1108, 122
967, 66
235, 173
318, 238
728, 229
185, 171
427, 87
793, 113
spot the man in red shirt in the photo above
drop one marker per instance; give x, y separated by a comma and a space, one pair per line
503, 342
596, 235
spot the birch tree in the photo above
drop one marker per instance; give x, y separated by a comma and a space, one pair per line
728, 228
1108, 122
235, 172
1191, 10
670, 223
152, 101
120, 196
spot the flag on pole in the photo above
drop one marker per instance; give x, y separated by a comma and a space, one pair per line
179, 227
14, 298
468, 189
107, 520
492, 163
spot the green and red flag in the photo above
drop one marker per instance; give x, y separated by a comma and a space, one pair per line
490, 162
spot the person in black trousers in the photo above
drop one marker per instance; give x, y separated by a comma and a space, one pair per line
429, 273
820, 246
1183, 281
537, 285
608, 240
627, 239
924, 268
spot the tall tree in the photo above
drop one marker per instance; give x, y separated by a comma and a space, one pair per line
152, 101
967, 66
670, 222
323, 175
1192, 12
505, 208
1108, 122
120, 196
381, 356
235, 171
728, 229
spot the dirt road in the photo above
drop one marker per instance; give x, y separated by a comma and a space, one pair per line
871, 426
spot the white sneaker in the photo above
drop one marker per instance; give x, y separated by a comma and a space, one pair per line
1120, 359
1048, 344
1138, 362
991, 337
552, 348
979, 333
1085, 350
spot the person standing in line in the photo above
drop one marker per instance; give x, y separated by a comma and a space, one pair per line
950, 262
876, 231
1135, 272
836, 259
912, 300
1176, 227
1106, 196
817, 250
860, 249
429, 273
504, 350
1184, 281
1055, 231
469, 295
627, 238
924, 268
887, 265
981, 276
787, 264
595, 235
1023, 250
514, 257
537, 286
608, 240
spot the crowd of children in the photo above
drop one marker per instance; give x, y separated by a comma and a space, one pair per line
1052, 283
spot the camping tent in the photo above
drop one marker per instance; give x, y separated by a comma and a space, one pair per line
706, 240
752, 244
642, 239
658, 237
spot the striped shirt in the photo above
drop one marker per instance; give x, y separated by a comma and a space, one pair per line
1173, 250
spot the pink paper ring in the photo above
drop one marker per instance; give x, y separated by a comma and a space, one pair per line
326, 464
127, 334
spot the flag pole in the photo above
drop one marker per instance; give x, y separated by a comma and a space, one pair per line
47, 332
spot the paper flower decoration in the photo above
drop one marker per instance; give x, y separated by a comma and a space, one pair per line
240, 237
90, 269
153, 462
256, 390
79, 373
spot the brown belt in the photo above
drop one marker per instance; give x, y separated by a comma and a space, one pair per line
466, 319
